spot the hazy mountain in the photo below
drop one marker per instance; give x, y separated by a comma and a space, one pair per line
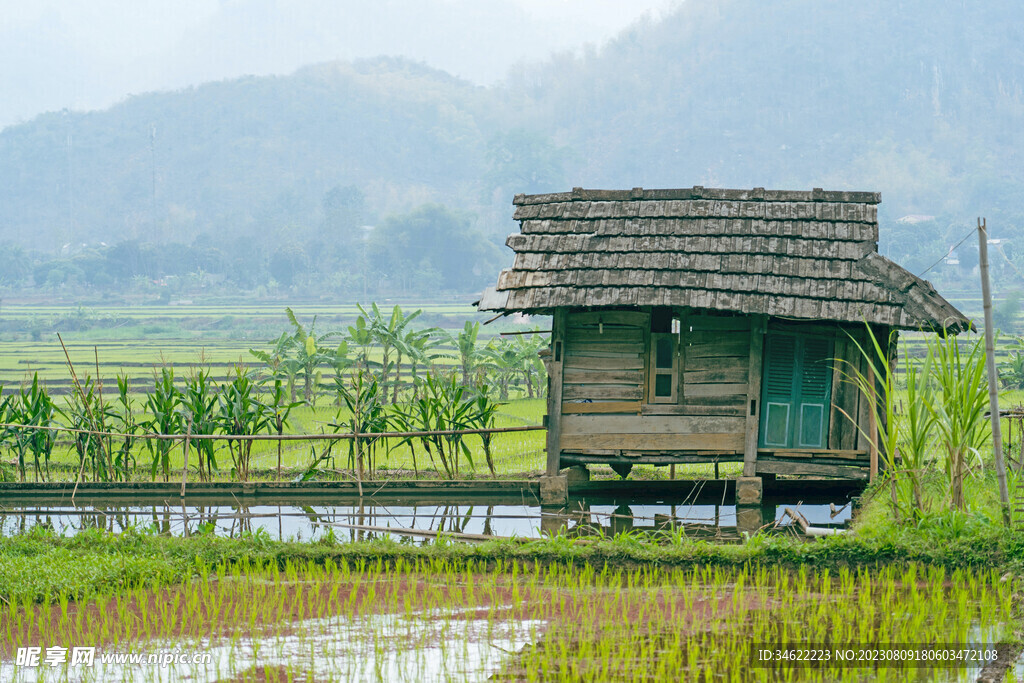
56, 54
921, 100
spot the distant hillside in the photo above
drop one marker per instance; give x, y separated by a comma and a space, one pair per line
922, 100
243, 156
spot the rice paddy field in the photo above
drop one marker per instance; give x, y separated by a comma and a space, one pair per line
438, 619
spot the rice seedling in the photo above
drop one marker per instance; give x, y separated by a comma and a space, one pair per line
435, 618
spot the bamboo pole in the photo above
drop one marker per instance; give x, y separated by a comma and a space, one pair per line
990, 366
872, 426
283, 437
184, 468
88, 411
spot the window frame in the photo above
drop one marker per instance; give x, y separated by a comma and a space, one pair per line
654, 371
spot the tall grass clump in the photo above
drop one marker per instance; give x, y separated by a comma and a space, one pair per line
943, 423
958, 404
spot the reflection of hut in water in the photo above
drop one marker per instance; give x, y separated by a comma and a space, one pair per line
702, 325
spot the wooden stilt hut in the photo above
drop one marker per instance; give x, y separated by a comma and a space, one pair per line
704, 325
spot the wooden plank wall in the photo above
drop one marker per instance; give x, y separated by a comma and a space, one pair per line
604, 362
716, 363
603, 409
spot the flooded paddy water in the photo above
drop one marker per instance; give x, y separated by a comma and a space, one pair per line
500, 516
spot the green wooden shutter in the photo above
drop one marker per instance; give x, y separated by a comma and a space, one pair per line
796, 388
815, 388
777, 395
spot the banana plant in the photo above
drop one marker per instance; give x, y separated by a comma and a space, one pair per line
280, 361
393, 334
1011, 370
502, 362
362, 337
311, 352
530, 364
468, 354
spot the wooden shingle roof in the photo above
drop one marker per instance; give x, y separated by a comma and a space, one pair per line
805, 255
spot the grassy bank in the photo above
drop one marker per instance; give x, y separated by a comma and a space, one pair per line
40, 564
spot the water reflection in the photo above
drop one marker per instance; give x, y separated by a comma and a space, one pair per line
711, 521
296, 520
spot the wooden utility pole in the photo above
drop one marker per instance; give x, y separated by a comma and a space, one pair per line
990, 364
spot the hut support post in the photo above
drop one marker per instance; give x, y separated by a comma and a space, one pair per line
554, 446
757, 331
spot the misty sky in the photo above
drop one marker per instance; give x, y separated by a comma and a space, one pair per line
57, 54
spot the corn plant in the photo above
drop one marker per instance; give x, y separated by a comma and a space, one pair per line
364, 398
33, 407
443, 404
127, 424
6, 417
241, 413
163, 406
481, 416
199, 413
402, 418
86, 408
279, 408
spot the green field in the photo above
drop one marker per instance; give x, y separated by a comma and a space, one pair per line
134, 340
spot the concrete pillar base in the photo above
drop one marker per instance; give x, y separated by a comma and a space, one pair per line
577, 474
554, 490
749, 491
